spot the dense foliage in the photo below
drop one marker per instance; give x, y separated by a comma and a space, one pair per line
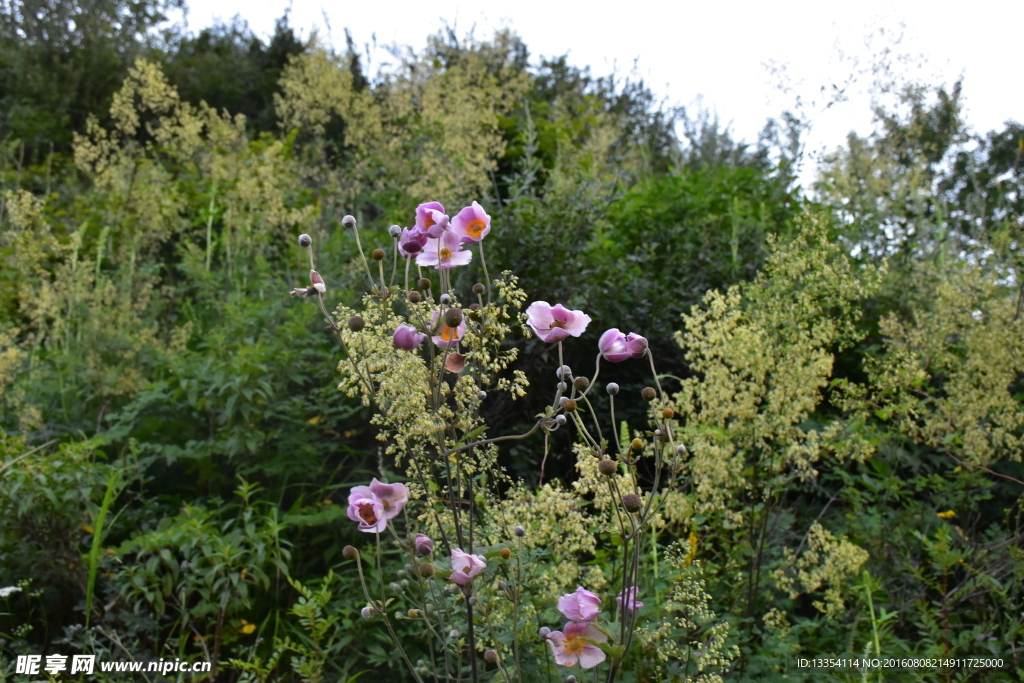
844, 365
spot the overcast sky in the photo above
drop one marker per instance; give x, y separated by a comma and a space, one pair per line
716, 51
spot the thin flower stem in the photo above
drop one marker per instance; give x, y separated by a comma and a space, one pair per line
487, 278
366, 265
394, 264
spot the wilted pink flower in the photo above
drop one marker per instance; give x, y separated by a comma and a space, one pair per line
444, 252
555, 323
392, 496
317, 281
570, 649
411, 242
465, 566
631, 603
423, 544
617, 347
407, 338
431, 219
367, 509
472, 223
580, 606
446, 336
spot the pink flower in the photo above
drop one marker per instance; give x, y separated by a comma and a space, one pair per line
631, 603
423, 544
446, 336
431, 219
617, 347
465, 566
569, 647
580, 606
392, 496
444, 252
411, 242
472, 223
407, 338
367, 510
555, 323
317, 281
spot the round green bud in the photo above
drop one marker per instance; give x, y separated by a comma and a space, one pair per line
607, 467
490, 656
581, 383
377, 254
423, 283
569, 405
478, 288
414, 297
426, 570
349, 553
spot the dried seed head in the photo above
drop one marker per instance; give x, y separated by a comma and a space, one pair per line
453, 317
490, 656
612, 388
426, 570
423, 283
305, 240
519, 531
569, 405
607, 467
349, 221
581, 383
632, 502
377, 254
349, 553
478, 288
414, 297
649, 394
395, 231
505, 553
356, 323
668, 414
636, 445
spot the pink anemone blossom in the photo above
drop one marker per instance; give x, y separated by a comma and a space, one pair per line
444, 252
431, 219
570, 649
367, 509
446, 336
411, 242
472, 223
617, 347
580, 606
630, 604
465, 566
392, 496
555, 323
407, 338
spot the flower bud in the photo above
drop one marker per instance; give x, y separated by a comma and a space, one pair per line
505, 553
423, 544
414, 297
581, 383
395, 231
607, 467
636, 445
356, 323
612, 388
681, 449
668, 414
367, 612
349, 221
453, 317
426, 570
478, 288
445, 300
305, 240
424, 283
502, 586
519, 531
472, 601
395, 587
569, 405
544, 631
414, 613
560, 420
377, 254
453, 634
564, 372
570, 679
649, 394
562, 387
632, 502
490, 656
317, 281
349, 553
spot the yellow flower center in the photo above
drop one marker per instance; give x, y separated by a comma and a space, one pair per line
444, 253
573, 645
449, 333
557, 323
475, 228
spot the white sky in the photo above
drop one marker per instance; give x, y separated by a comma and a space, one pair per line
713, 50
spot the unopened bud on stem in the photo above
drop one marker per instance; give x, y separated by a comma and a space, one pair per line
356, 323
607, 467
649, 394
305, 240
349, 221
377, 254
